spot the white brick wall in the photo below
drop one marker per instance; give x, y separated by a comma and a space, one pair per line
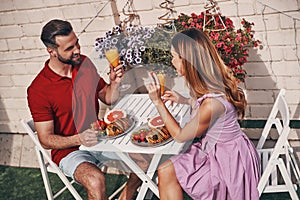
270, 68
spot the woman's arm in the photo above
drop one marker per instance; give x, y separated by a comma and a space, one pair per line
209, 110
207, 114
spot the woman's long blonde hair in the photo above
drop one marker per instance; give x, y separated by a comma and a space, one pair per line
205, 72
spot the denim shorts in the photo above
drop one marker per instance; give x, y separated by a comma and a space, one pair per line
69, 163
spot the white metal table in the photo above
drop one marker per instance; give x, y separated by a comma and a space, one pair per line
142, 108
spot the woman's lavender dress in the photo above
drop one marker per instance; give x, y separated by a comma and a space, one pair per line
223, 165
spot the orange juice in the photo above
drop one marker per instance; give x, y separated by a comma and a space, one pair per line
112, 56
162, 82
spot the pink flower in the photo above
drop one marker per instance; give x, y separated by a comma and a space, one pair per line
198, 26
201, 16
238, 39
219, 45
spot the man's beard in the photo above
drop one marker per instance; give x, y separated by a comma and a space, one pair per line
69, 61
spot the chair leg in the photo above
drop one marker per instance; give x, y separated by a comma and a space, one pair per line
68, 184
62, 190
287, 180
44, 175
265, 176
294, 164
117, 191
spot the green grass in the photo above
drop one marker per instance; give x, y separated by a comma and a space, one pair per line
27, 184
24, 183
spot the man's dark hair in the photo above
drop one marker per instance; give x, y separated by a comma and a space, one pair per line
52, 29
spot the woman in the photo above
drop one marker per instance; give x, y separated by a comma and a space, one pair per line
221, 163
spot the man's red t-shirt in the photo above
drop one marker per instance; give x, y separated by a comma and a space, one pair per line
71, 103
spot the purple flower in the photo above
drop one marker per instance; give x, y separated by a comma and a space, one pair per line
122, 52
138, 60
114, 41
128, 56
142, 48
129, 60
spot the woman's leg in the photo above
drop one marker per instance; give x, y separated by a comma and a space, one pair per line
168, 185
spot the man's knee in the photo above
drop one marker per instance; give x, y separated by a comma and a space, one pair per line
90, 176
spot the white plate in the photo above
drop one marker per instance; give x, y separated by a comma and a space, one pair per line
132, 121
146, 144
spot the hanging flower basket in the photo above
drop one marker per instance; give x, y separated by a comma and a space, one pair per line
232, 45
139, 46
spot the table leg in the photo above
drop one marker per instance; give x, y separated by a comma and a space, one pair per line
150, 173
147, 181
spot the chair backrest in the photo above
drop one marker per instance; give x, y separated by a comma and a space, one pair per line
277, 162
280, 106
30, 129
283, 108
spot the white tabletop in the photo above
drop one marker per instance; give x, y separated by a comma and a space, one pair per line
141, 107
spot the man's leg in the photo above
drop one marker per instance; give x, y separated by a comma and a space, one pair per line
82, 167
134, 182
92, 179
130, 188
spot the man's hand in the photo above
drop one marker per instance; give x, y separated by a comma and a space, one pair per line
88, 138
116, 74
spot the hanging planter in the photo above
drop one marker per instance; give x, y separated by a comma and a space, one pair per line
148, 46
232, 45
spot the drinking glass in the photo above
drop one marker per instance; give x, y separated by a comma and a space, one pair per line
162, 82
112, 55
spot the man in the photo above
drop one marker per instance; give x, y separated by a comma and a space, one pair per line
63, 100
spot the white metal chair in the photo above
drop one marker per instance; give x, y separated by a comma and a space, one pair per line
47, 165
280, 159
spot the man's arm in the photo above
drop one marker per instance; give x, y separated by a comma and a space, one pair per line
110, 93
50, 140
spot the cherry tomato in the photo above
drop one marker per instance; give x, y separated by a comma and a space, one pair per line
142, 138
102, 124
136, 137
143, 134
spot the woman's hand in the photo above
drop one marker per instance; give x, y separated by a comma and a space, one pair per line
88, 138
174, 97
154, 90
